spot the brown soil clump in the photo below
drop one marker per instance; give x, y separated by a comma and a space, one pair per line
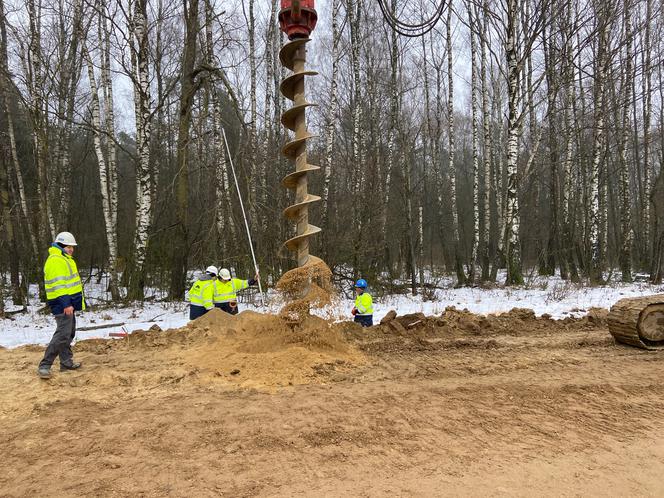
314, 276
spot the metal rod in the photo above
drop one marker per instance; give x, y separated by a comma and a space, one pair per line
244, 215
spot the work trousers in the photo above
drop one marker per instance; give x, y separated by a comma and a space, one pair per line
227, 308
60, 344
364, 320
196, 311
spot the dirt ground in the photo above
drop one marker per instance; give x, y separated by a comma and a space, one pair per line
252, 405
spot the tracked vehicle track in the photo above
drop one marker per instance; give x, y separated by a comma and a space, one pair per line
639, 321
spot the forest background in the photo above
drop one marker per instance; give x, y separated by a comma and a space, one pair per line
515, 135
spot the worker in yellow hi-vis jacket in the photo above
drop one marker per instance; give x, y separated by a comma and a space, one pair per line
226, 289
64, 293
363, 310
201, 293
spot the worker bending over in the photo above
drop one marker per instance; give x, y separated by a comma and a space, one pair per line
201, 293
64, 293
363, 310
226, 289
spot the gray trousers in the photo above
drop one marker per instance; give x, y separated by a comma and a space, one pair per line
60, 344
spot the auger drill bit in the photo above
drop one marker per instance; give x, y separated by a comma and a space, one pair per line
297, 20
293, 56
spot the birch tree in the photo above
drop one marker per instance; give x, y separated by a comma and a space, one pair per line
625, 198
460, 272
107, 176
602, 62
141, 85
486, 122
476, 143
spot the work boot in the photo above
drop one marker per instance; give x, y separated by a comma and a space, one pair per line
70, 366
44, 372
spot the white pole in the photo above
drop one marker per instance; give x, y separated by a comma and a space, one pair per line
244, 215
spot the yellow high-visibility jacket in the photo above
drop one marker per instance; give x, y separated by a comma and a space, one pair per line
226, 291
364, 304
201, 292
62, 281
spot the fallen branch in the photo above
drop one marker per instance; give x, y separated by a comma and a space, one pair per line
105, 326
7, 314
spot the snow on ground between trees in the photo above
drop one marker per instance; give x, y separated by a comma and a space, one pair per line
551, 296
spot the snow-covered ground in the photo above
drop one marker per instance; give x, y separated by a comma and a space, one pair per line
543, 295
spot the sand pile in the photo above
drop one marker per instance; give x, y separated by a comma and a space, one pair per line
460, 323
257, 350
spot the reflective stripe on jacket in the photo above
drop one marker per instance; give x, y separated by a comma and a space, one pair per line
226, 291
364, 304
201, 293
62, 282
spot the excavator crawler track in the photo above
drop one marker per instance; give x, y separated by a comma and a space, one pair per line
638, 322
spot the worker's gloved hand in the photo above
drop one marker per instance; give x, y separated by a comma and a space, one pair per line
252, 281
354, 311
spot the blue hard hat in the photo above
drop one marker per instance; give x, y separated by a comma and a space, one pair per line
361, 283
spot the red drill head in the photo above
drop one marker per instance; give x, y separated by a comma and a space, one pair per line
297, 18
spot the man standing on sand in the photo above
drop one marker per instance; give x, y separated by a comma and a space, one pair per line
64, 293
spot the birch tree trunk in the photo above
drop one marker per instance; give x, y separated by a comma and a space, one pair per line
354, 19
595, 270
393, 92
553, 243
476, 146
253, 133
514, 275
104, 180
458, 263
625, 203
140, 55
567, 264
486, 120
111, 148
354, 11
499, 184
646, 82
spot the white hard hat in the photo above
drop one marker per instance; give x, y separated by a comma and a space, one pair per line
212, 270
66, 239
225, 274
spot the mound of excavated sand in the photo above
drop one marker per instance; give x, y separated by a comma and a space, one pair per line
257, 350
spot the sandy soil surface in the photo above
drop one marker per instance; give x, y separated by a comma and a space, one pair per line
455, 405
